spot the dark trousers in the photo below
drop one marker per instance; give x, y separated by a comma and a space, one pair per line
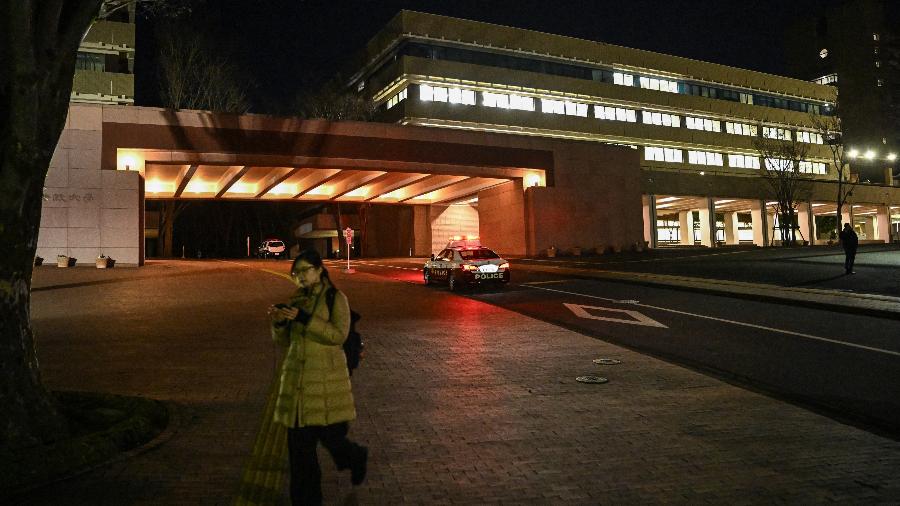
849, 258
306, 476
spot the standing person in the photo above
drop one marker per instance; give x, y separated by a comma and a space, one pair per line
850, 241
315, 401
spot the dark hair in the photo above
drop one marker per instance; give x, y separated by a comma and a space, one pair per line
313, 258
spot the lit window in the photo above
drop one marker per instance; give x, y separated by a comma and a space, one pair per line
522, 103
460, 96
782, 134
743, 161
704, 158
553, 106
576, 109
396, 99
500, 100
710, 125
615, 113
663, 154
879, 82
657, 118
746, 98
623, 79
809, 137
812, 168
740, 129
652, 83
778, 164
440, 94
876, 37
426, 93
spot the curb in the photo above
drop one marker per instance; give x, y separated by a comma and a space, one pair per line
174, 421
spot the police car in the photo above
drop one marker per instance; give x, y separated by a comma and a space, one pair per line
465, 262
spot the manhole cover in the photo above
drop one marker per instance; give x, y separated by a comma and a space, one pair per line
591, 379
606, 361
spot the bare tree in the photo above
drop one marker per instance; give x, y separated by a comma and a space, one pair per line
332, 104
193, 76
783, 169
830, 128
38, 47
168, 213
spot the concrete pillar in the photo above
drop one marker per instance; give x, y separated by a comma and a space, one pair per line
889, 176
708, 223
804, 214
651, 234
760, 223
846, 216
869, 227
883, 224
686, 227
731, 229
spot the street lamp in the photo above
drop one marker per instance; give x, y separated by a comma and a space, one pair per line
853, 153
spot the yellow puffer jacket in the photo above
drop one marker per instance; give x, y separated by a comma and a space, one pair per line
315, 384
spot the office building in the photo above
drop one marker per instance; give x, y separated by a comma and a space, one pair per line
104, 69
694, 123
854, 46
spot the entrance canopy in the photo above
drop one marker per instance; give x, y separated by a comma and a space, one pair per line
189, 155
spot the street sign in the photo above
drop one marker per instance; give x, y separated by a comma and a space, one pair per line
636, 318
348, 235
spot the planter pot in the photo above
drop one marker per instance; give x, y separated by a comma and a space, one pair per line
62, 261
102, 262
38, 261
551, 252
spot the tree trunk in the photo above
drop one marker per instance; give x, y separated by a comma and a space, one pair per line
340, 231
40, 41
167, 222
28, 415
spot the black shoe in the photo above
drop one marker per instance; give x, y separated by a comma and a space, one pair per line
358, 466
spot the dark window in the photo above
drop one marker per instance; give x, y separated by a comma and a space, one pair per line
90, 61
478, 254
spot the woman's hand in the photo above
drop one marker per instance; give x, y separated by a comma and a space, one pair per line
282, 314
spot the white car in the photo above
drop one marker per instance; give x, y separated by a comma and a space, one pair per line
460, 266
272, 248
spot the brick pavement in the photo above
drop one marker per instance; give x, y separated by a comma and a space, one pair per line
460, 402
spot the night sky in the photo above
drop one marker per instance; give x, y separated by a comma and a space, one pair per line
286, 46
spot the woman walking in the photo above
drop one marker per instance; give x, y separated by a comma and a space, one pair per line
315, 401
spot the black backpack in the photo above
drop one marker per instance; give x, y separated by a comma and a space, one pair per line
353, 346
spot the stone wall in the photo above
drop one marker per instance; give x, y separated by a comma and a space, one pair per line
449, 221
88, 211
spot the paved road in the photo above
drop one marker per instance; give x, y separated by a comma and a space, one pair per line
459, 400
846, 365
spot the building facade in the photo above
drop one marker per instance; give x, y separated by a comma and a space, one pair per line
854, 45
693, 123
104, 69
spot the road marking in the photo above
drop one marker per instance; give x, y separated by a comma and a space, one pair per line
733, 322
638, 318
279, 274
545, 282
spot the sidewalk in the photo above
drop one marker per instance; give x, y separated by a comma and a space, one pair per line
459, 401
